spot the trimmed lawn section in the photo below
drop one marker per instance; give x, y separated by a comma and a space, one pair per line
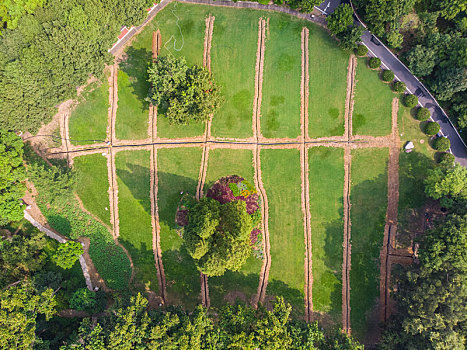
233, 57
326, 177
328, 84
373, 98
134, 209
224, 162
280, 109
88, 121
182, 31
369, 203
281, 177
178, 170
93, 184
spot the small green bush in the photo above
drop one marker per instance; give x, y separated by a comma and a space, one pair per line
423, 114
388, 75
442, 144
398, 86
447, 158
362, 50
432, 128
374, 63
83, 299
410, 100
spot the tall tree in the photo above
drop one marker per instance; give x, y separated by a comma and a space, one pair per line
12, 10
340, 19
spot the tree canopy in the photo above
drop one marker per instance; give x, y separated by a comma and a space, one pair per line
67, 254
184, 94
340, 19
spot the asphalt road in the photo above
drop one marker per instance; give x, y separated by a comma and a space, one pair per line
328, 6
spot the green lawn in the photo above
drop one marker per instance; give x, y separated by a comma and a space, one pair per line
233, 57
93, 185
326, 177
328, 85
178, 171
280, 108
224, 162
88, 121
373, 98
182, 31
369, 203
134, 210
281, 177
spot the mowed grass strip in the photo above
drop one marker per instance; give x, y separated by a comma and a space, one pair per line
233, 57
328, 85
88, 121
373, 100
225, 162
368, 196
93, 185
326, 179
134, 210
281, 178
280, 108
182, 31
178, 170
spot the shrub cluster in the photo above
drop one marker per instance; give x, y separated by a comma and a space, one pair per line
410, 100
362, 50
423, 114
398, 86
446, 158
374, 63
387, 75
442, 144
432, 128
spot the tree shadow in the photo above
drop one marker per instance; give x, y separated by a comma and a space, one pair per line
139, 191
293, 296
60, 224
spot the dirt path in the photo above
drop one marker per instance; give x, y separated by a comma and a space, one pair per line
259, 79
305, 198
349, 98
113, 102
209, 21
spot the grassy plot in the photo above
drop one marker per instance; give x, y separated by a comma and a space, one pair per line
372, 110
234, 46
178, 171
88, 121
134, 210
182, 30
225, 162
281, 177
369, 202
328, 84
280, 108
93, 185
326, 178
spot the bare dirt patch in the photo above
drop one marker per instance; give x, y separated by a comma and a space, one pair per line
349, 99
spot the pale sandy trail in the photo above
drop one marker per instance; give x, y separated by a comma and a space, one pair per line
305, 186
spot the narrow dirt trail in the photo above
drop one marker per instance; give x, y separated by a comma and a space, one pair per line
154, 184
349, 98
305, 198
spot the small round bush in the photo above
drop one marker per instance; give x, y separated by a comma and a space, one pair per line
362, 50
398, 86
83, 299
432, 128
446, 158
442, 144
388, 75
410, 100
423, 114
374, 63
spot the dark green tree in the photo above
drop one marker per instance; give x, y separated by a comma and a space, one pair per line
448, 181
349, 37
83, 299
340, 19
432, 128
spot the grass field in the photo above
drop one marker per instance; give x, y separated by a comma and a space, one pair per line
177, 171
328, 84
372, 110
93, 184
281, 177
134, 210
224, 162
233, 56
326, 178
280, 107
369, 203
88, 121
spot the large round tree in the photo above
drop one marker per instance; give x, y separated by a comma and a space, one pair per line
221, 230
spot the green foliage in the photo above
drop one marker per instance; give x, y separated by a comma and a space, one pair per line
306, 6
184, 94
20, 305
421, 60
399, 86
11, 176
441, 144
67, 254
449, 81
349, 37
423, 114
387, 75
362, 50
447, 180
217, 235
451, 8
83, 299
12, 10
394, 39
446, 158
374, 62
340, 19
410, 100
431, 128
